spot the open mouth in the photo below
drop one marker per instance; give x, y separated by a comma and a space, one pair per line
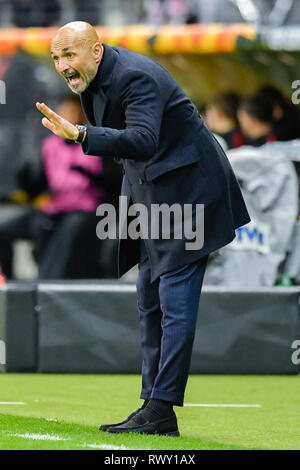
73, 78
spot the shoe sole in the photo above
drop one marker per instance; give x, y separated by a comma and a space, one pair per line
125, 431
173, 434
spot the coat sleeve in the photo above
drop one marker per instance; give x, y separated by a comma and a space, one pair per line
143, 107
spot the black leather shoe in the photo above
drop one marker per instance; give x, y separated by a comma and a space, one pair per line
104, 427
142, 423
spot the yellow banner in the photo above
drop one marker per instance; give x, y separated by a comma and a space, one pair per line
145, 39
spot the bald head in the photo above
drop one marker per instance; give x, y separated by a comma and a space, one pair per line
76, 31
77, 52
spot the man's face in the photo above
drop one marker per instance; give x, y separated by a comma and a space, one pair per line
212, 117
251, 127
75, 59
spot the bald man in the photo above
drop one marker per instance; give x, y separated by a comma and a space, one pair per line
138, 112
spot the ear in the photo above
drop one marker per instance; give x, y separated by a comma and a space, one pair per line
97, 51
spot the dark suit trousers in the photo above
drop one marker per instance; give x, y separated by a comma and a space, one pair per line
168, 313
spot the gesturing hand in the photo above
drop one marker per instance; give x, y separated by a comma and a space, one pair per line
57, 124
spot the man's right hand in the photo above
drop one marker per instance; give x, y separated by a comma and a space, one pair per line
56, 124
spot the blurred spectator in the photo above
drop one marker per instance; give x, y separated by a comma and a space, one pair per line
286, 115
70, 189
170, 11
266, 116
221, 118
21, 74
63, 229
255, 116
26, 13
175, 11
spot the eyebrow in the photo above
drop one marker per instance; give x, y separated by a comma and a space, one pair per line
65, 49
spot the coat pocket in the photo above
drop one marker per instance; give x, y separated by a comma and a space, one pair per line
172, 163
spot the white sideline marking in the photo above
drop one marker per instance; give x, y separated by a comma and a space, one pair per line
50, 437
12, 403
215, 405
39, 437
88, 288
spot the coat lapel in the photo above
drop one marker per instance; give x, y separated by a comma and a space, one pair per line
99, 105
94, 99
87, 106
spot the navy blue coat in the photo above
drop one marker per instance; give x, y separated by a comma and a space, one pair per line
138, 113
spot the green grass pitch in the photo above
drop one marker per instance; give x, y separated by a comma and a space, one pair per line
65, 411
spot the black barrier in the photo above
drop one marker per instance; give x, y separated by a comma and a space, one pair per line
18, 327
88, 328
247, 332
93, 327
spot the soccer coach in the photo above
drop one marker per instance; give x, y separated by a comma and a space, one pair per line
137, 112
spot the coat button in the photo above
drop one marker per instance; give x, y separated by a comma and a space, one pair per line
141, 181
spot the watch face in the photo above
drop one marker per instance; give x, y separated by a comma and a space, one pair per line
82, 132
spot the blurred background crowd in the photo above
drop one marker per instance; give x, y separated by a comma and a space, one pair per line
49, 190
265, 116
26, 13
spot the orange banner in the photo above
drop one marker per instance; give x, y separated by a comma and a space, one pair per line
145, 39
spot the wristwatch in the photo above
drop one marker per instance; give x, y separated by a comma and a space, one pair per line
82, 134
